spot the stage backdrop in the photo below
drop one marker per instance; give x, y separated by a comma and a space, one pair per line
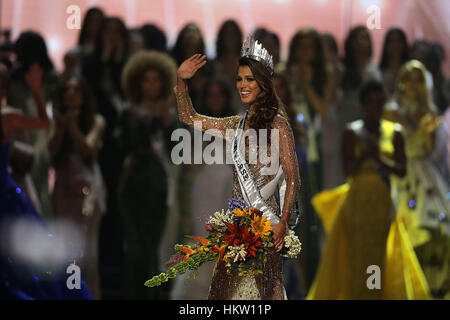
421, 19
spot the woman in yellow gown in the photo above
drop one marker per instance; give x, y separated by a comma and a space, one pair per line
367, 254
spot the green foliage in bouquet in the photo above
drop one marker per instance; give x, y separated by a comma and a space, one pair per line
240, 236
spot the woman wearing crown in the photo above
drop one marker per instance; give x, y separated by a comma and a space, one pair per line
252, 181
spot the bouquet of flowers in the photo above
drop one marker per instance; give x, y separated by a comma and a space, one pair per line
240, 236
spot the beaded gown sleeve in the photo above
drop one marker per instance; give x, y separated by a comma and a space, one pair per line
289, 163
189, 116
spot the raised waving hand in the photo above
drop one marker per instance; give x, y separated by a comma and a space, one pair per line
190, 66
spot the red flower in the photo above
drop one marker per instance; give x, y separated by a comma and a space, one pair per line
237, 235
234, 234
251, 243
256, 212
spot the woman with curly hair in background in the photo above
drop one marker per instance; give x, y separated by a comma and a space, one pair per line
145, 192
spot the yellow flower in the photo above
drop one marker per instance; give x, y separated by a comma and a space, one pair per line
261, 226
240, 213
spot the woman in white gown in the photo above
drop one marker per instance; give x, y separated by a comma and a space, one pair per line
421, 196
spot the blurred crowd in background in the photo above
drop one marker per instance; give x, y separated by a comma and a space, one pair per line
132, 204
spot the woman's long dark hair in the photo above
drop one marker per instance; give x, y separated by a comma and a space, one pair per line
154, 37
87, 111
93, 67
352, 77
405, 54
123, 30
291, 115
83, 31
318, 64
221, 49
268, 104
31, 48
85, 119
177, 51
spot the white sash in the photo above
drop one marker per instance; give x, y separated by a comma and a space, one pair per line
251, 193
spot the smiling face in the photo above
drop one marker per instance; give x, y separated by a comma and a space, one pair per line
247, 86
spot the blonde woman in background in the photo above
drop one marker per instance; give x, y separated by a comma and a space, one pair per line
421, 195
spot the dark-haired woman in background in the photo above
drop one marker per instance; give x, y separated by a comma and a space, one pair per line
308, 74
31, 50
395, 53
103, 67
441, 84
154, 38
309, 77
88, 41
79, 193
295, 269
331, 124
358, 69
190, 41
135, 41
90, 31
102, 70
228, 47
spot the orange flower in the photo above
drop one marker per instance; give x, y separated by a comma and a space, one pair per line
240, 212
203, 241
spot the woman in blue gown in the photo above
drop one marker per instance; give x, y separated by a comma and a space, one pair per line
21, 278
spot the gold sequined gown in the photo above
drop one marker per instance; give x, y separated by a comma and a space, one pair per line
268, 286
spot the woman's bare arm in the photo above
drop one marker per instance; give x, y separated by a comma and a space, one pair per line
14, 122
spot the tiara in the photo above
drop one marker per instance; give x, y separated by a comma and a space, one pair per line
251, 48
